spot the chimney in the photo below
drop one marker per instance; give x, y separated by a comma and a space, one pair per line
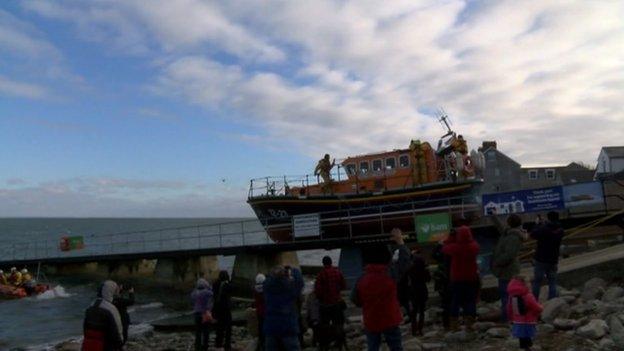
488, 144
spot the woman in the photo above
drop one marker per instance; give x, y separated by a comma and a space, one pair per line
223, 310
202, 299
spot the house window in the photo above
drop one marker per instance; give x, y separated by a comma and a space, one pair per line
351, 169
496, 172
550, 174
533, 174
404, 161
390, 163
377, 165
364, 167
491, 156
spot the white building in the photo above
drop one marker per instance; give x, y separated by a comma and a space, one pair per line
610, 160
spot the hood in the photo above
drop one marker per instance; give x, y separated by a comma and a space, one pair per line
202, 284
464, 235
109, 289
517, 287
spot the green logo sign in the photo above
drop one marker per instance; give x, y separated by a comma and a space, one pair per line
432, 227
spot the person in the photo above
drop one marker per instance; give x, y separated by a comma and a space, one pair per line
548, 236
464, 276
223, 310
122, 303
327, 287
441, 281
202, 299
376, 292
313, 316
15, 277
323, 169
282, 289
102, 326
417, 277
3, 278
505, 263
524, 311
259, 305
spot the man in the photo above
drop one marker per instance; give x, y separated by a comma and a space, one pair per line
203, 300
323, 168
102, 324
15, 277
548, 236
505, 262
376, 293
282, 289
327, 287
223, 311
3, 278
463, 250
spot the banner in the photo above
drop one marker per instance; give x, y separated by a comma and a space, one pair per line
432, 227
533, 200
69, 243
582, 194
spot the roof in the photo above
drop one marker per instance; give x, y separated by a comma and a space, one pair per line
501, 153
542, 166
614, 151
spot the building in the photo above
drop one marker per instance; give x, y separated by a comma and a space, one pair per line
501, 173
548, 176
610, 160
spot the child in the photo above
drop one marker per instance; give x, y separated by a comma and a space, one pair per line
523, 310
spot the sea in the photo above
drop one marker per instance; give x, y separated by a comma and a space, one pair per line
39, 323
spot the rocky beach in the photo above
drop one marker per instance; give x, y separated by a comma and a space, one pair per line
588, 317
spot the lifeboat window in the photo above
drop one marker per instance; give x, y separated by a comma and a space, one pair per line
351, 169
377, 165
390, 163
404, 161
364, 167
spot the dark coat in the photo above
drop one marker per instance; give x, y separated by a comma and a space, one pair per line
281, 295
548, 238
222, 309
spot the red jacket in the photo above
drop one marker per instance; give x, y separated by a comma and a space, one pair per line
376, 292
532, 309
259, 303
329, 283
463, 251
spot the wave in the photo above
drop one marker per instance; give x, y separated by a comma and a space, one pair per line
57, 291
146, 306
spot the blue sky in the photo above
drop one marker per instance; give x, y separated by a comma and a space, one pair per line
133, 108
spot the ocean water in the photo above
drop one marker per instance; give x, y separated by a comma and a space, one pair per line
35, 323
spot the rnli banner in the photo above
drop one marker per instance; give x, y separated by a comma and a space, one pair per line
533, 200
432, 227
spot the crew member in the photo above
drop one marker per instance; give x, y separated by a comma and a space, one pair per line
459, 145
3, 278
15, 277
323, 168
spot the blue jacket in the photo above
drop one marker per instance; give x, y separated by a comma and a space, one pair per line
202, 297
281, 294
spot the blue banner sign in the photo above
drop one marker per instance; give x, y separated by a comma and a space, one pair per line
533, 200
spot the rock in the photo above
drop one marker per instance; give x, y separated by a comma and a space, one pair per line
483, 326
71, 345
608, 308
566, 292
431, 334
612, 294
498, 332
593, 289
565, 324
412, 344
595, 329
606, 344
545, 328
569, 298
581, 309
555, 308
433, 346
456, 337
616, 329
483, 311
354, 319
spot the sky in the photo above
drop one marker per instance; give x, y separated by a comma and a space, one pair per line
131, 108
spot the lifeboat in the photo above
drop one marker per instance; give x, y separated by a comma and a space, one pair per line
373, 193
15, 292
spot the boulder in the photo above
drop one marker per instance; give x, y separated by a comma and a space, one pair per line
498, 332
581, 309
412, 344
606, 344
616, 329
354, 319
593, 289
607, 309
456, 337
483, 326
569, 298
555, 308
595, 329
612, 294
565, 323
545, 328
433, 346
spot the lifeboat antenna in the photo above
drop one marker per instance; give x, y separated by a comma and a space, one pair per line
444, 120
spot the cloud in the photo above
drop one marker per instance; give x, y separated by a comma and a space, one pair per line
22, 89
117, 197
